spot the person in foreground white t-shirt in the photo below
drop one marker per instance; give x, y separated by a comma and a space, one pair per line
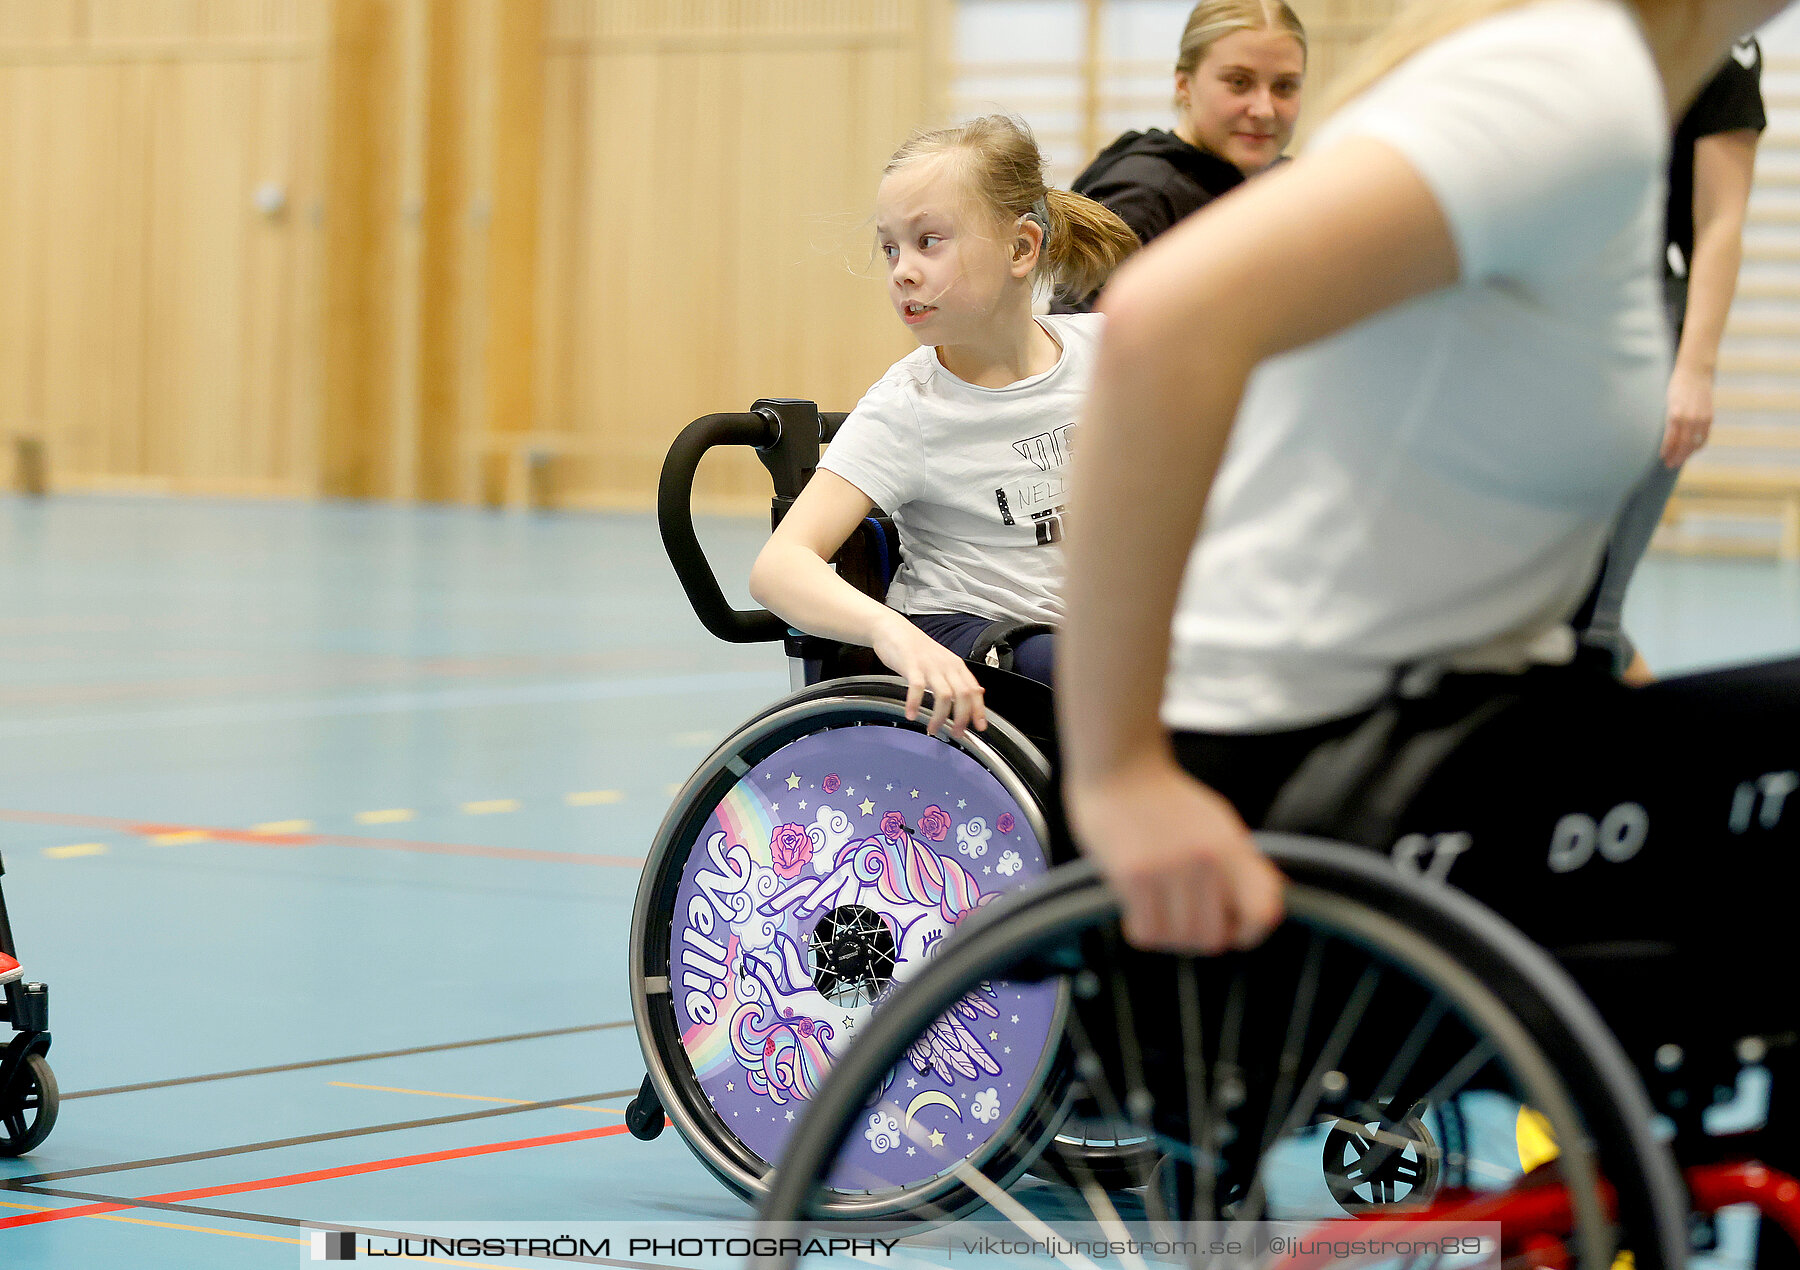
1366, 425
964, 442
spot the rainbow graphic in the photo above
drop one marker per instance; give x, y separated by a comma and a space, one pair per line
744, 816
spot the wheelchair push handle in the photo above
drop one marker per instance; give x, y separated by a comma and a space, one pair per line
786, 436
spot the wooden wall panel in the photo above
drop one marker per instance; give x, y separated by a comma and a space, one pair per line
708, 175
83, 131
157, 325
223, 393
588, 218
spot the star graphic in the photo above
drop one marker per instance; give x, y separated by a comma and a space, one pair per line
961, 803
790, 1115
911, 1083
911, 1151
774, 806
847, 1022
793, 780
915, 793
1009, 1049
970, 1136
729, 1086
868, 808
937, 1138
1015, 1018
850, 792
993, 1036
890, 784
802, 804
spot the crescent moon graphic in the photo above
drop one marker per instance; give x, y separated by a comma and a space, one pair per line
930, 1098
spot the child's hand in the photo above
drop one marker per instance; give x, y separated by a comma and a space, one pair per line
1188, 875
926, 664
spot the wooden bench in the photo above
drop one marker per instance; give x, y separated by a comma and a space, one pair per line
525, 461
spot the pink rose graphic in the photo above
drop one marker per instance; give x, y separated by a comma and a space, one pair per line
1005, 823
792, 849
893, 825
830, 784
935, 823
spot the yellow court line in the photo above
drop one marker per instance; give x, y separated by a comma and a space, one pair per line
179, 837
436, 1093
167, 1225
387, 816
488, 806
282, 826
594, 797
75, 849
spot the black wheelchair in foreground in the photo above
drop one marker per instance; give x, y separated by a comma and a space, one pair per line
799, 997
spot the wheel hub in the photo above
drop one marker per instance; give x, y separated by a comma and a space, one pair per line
1372, 1162
853, 955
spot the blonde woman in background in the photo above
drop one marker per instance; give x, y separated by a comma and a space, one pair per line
1238, 76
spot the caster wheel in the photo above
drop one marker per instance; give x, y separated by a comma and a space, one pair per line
1369, 1167
644, 1117
28, 1108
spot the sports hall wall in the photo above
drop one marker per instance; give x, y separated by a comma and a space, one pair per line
380, 248
474, 250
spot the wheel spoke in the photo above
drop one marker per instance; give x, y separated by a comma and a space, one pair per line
1137, 1092
1193, 1037
1305, 991
1314, 1088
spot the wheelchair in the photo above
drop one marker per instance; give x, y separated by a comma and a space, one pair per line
1381, 1002
816, 859
28, 1095
1351, 1068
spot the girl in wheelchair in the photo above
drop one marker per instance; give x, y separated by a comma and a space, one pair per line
964, 442
1408, 380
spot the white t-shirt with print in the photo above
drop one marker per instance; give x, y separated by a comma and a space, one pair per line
1438, 483
974, 478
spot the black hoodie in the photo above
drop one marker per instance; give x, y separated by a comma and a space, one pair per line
1151, 179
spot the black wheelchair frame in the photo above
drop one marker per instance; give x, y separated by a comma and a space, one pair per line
28, 1093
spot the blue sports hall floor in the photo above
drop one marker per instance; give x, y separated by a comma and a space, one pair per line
323, 824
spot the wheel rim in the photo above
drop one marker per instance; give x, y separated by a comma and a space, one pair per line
789, 922
1026, 931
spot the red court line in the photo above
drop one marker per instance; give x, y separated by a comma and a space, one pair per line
150, 829
318, 1175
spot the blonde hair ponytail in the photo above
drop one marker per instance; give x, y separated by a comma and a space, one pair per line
1086, 242
1003, 171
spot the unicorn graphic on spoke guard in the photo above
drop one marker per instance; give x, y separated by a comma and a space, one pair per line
882, 909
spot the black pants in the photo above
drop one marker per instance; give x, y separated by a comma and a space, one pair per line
1648, 837
1034, 657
